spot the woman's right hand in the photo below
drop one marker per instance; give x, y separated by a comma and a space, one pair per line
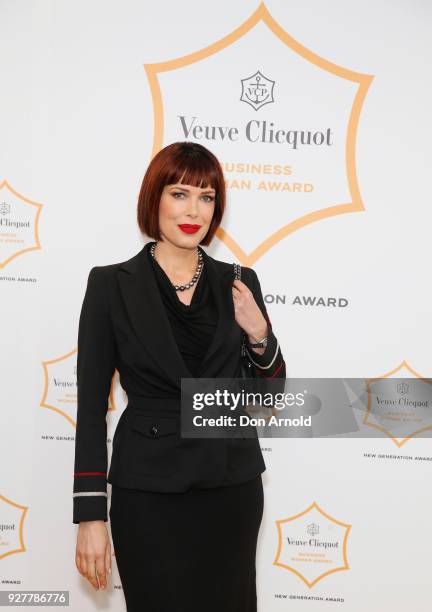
93, 552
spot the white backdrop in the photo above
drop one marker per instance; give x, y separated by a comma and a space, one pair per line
90, 91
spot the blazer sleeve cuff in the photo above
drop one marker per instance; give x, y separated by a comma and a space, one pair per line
266, 359
90, 507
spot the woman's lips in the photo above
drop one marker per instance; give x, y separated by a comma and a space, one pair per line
189, 229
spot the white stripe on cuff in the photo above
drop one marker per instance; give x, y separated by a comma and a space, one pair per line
90, 493
261, 367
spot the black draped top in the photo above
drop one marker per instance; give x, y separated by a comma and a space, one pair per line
193, 326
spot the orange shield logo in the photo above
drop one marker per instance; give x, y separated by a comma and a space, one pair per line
283, 125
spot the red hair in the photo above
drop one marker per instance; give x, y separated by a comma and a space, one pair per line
180, 162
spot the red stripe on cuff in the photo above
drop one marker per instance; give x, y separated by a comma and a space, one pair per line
274, 373
89, 473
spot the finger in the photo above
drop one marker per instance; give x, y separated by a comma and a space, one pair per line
108, 558
78, 562
241, 289
83, 566
242, 297
238, 292
239, 285
101, 571
91, 573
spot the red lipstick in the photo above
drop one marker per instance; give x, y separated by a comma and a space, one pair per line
187, 228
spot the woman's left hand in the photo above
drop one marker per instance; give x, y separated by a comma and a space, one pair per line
247, 312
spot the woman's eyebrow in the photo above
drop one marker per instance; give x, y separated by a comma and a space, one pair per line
211, 190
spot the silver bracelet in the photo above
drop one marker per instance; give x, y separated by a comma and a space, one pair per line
261, 344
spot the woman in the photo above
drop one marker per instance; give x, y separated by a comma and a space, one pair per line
185, 512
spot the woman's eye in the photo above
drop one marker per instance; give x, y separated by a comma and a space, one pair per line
180, 193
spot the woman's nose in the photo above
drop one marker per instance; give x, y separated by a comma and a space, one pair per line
193, 206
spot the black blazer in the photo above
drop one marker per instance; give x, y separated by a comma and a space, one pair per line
123, 325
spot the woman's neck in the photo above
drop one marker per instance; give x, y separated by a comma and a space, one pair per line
178, 263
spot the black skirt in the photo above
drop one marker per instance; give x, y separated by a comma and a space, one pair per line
188, 552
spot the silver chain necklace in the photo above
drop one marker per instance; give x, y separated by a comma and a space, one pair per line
195, 277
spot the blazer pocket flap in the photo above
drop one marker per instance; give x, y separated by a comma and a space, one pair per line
154, 426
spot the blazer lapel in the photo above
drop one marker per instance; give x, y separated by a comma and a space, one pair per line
150, 321
220, 281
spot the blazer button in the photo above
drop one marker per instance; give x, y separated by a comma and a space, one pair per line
154, 430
